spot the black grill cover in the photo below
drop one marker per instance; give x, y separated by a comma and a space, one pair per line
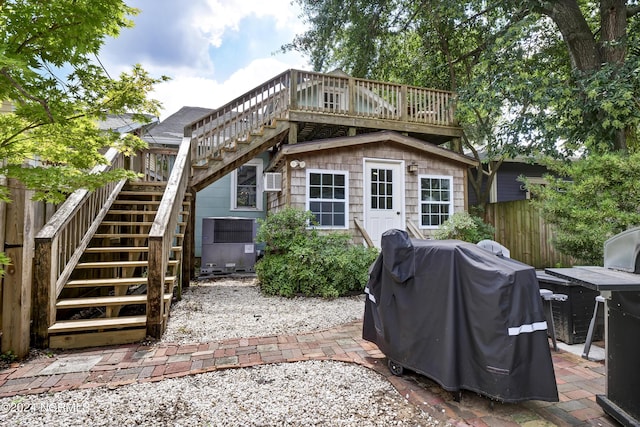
460, 315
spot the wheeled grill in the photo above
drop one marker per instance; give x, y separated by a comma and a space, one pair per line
619, 284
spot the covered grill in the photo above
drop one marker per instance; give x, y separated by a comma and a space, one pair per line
460, 315
619, 283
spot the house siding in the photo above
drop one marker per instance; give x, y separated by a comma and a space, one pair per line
215, 201
351, 159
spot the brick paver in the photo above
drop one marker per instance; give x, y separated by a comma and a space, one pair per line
578, 380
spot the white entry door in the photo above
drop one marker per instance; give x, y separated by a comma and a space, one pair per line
383, 197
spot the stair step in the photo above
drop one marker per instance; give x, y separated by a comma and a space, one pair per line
131, 212
119, 249
140, 193
108, 301
116, 281
132, 223
127, 235
63, 326
101, 301
145, 184
110, 264
142, 202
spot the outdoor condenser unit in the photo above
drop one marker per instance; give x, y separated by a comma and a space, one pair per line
228, 245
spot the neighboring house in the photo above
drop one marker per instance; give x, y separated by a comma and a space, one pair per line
126, 123
506, 186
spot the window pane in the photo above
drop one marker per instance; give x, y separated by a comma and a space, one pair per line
246, 186
328, 199
435, 199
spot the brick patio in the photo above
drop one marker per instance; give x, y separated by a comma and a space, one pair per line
578, 380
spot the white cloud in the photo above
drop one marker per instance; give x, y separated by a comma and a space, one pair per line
223, 15
213, 50
193, 91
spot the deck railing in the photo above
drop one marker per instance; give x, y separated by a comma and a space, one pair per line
331, 94
239, 118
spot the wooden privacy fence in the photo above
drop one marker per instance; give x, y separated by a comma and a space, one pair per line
521, 228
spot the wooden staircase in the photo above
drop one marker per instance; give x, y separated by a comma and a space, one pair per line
104, 301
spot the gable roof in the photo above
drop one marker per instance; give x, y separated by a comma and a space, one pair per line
372, 138
171, 130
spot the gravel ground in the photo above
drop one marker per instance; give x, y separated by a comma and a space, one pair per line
310, 393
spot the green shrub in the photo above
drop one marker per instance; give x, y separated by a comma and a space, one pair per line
300, 261
463, 226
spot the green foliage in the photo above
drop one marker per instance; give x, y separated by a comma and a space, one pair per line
8, 357
48, 71
462, 226
300, 261
4, 261
591, 200
523, 88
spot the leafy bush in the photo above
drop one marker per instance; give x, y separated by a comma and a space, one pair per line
463, 226
589, 201
300, 261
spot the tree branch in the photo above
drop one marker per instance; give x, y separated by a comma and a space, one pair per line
26, 94
633, 10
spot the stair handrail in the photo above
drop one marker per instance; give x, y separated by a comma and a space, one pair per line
237, 119
62, 241
161, 235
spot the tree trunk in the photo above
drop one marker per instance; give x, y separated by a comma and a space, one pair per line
583, 49
588, 54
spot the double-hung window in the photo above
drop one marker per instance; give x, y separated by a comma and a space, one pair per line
246, 186
436, 200
328, 197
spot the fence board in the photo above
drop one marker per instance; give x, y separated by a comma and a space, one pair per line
16, 298
521, 228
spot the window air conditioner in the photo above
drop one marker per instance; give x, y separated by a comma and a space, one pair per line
272, 181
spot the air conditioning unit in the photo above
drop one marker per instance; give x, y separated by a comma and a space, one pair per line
272, 181
228, 245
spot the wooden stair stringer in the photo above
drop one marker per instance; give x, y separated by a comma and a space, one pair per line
204, 175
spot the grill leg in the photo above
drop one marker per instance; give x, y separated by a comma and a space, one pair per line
547, 295
592, 325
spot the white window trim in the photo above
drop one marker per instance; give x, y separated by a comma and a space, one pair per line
346, 195
420, 203
537, 180
259, 188
341, 91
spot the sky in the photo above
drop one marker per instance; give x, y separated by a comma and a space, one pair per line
213, 50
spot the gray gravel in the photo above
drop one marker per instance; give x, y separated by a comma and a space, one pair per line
310, 393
